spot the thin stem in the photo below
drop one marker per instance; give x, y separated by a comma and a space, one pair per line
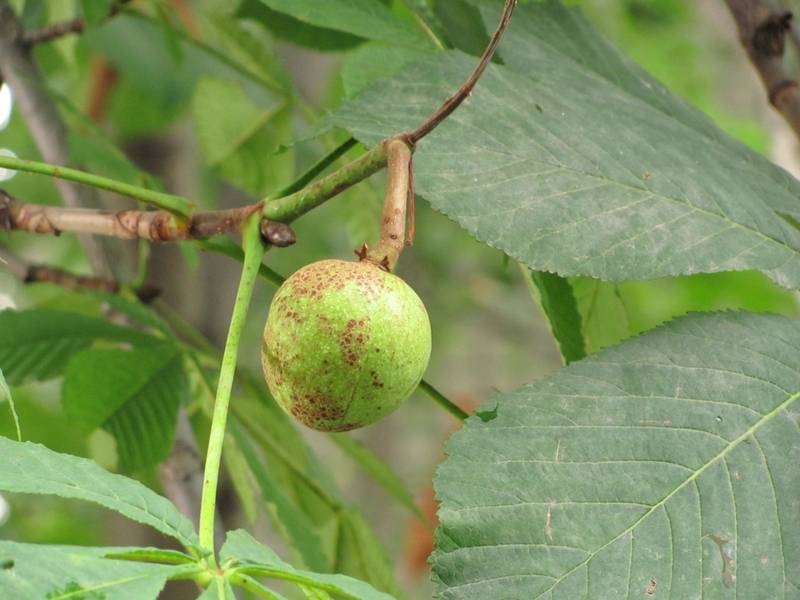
442, 400
315, 170
288, 208
57, 30
169, 202
454, 101
253, 251
54, 31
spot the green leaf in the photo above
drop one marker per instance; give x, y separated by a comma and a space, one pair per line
255, 166
291, 461
94, 11
363, 18
156, 85
557, 301
315, 593
252, 49
34, 469
136, 310
225, 117
30, 571
345, 535
373, 62
379, 470
7, 392
251, 557
134, 394
37, 344
463, 25
99, 155
292, 523
168, 20
361, 554
572, 160
670, 458
285, 27
605, 316
152, 555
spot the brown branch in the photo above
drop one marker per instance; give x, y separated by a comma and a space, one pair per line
52, 32
33, 273
762, 32
68, 280
454, 101
154, 225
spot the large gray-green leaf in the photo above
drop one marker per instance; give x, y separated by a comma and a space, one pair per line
34, 469
29, 571
666, 463
573, 160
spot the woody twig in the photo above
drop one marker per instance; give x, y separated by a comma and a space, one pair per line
762, 32
152, 225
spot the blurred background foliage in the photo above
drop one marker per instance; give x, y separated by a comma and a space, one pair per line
142, 102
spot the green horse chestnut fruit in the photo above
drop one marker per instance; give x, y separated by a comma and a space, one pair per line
345, 344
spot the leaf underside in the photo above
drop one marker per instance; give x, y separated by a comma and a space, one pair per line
70, 572
34, 469
668, 462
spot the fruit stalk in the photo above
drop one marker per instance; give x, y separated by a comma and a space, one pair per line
393, 219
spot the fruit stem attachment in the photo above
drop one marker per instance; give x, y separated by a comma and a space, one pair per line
253, 251
393, 219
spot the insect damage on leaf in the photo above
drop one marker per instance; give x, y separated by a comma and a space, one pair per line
727, 560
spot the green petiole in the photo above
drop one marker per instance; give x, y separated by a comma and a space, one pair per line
253, 251
174, 204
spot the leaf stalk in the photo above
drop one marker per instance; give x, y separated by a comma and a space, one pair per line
253, 251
